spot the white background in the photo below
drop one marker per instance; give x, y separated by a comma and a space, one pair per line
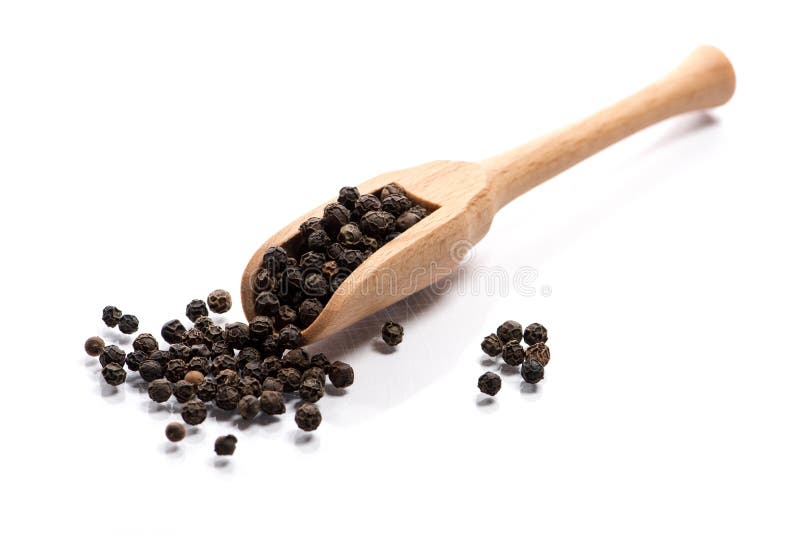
147, 148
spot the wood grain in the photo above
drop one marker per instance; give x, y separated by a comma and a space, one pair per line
467, 195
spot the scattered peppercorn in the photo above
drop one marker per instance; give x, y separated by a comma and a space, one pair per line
290, 378
532, 371
194, 412
196, 309
341, 374
176, 370
311, 390
308, 417
128, 324
146, 343
206, 391
151, 370
271, 402
513, 353
112, 354
159, 390
272, 384
219, 301
225, 445
173, 331
539, 352
175, 432
94, 346
249, 407
111, 316
134, 359
184, 391
227, 398
114, 374
492, 345
535, 333
510, 331
489, 383
392, 333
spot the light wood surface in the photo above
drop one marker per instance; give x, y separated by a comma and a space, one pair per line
467, 195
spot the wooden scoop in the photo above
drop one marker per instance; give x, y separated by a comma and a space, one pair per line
463, 197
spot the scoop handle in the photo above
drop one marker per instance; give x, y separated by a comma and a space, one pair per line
705, 79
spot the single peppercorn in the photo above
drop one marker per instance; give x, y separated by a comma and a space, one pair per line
223, 362
318, 240
161, 357
194, 377
370, 244
175, 370
392, 189
289, 337
247, 355
266, 303
220, 348
396, 204
314, 285
377, 223
539, 352
227, 398
271, 384
532, 371
253, 369
227, 377
290, 378
260, 328
286, 315
510, 331
310, 225
94, 346
264, 281
308, 417
317, 373
114, 374
200, 356
112, 354
341, 374
249, 407
135, 359
206, 391
270, 365
111, 316
334, 217
329, 268
214, 334
249, 385
348, 196
274, 260
350, 235
194, 412
407, 220
202, 323
392, 333
308, 311
194, 336
297, 358
419, 211
535, 333
179, 351
492, 345
128, 324
219, 301
196, 309
225, 445
311, 390
335, 251
173, 331
146, 343
513, 353
184, 391
365, 204
320, 360
175, 432
237, 335
159, 390
489, 383
150, 370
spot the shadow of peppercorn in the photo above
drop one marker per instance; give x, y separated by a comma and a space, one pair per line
486, 404
110, 393
509, 370
116, 338
305, 441
528, 389
333, 391
223, 464
380, 346
172, 449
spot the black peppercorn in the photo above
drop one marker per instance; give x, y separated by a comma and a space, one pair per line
532, 371
396, 204
196, 309
199, 357
266, 303
311, 390
202, 323
128, 324
274, 260
370, 244
247, 355
249, 407
513, 353
219, 301
112, 354
227, 398
290, 378
272, 384
351, 259
146, 343
315, 285
159, 390
176, 370
334, 217
173, 331
150, 370
114, 374
419, 211
206, 391
161, 357
94, 346
308, 311
510, 331
289, 337
220, 348
365, 204
318, 241
392, 333
179, 351
227, 377
539, 352
237, 335
175, 432
214, 334
264, 281
183, 390
297, 358
286, 315
348, 196
320, 360
194, 412
134, 359
377, 223
350, 235
392, 189
535, 333
390, 236
308, 417
111, 316
407, 220
316, 373
489, 383
311, 260
270, 366
341, 374
249, 385
310, 225
194, 336
335, 251
492, 345
225, 445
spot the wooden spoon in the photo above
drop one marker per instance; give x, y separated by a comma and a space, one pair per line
465, 196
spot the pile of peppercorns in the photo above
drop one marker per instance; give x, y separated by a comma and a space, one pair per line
296, 281
506, 343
